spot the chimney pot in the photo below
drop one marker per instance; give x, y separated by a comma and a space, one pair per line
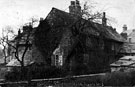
104, 14
124, 27
77, 2
19, 32
104, 19
73, 3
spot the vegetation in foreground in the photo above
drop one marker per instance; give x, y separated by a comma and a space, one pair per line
118, 78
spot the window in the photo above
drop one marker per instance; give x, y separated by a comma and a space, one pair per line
58, 60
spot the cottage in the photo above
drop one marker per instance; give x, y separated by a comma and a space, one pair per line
65, 40
129, 46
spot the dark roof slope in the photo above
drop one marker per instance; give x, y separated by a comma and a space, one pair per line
109, 32
58, 18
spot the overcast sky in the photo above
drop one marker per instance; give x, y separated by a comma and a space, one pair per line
17, 12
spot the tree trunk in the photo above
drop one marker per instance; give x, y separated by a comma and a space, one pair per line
22, 71
4, 56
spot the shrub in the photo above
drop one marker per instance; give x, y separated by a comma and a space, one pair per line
35, 72
80, 69
48, 72
117, 79
16, 74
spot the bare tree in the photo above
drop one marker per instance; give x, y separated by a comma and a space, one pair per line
34, 21
89, 14
19, 45
7, 33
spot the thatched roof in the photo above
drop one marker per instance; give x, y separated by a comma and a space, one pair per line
63, 28
58, 18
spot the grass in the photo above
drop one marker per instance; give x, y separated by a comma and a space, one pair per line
110, 79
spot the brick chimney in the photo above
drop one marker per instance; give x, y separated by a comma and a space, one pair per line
78, 7
124, 27
104, 19
124, 34
75, 8
72, 7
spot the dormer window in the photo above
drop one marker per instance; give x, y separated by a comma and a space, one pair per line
57, 57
